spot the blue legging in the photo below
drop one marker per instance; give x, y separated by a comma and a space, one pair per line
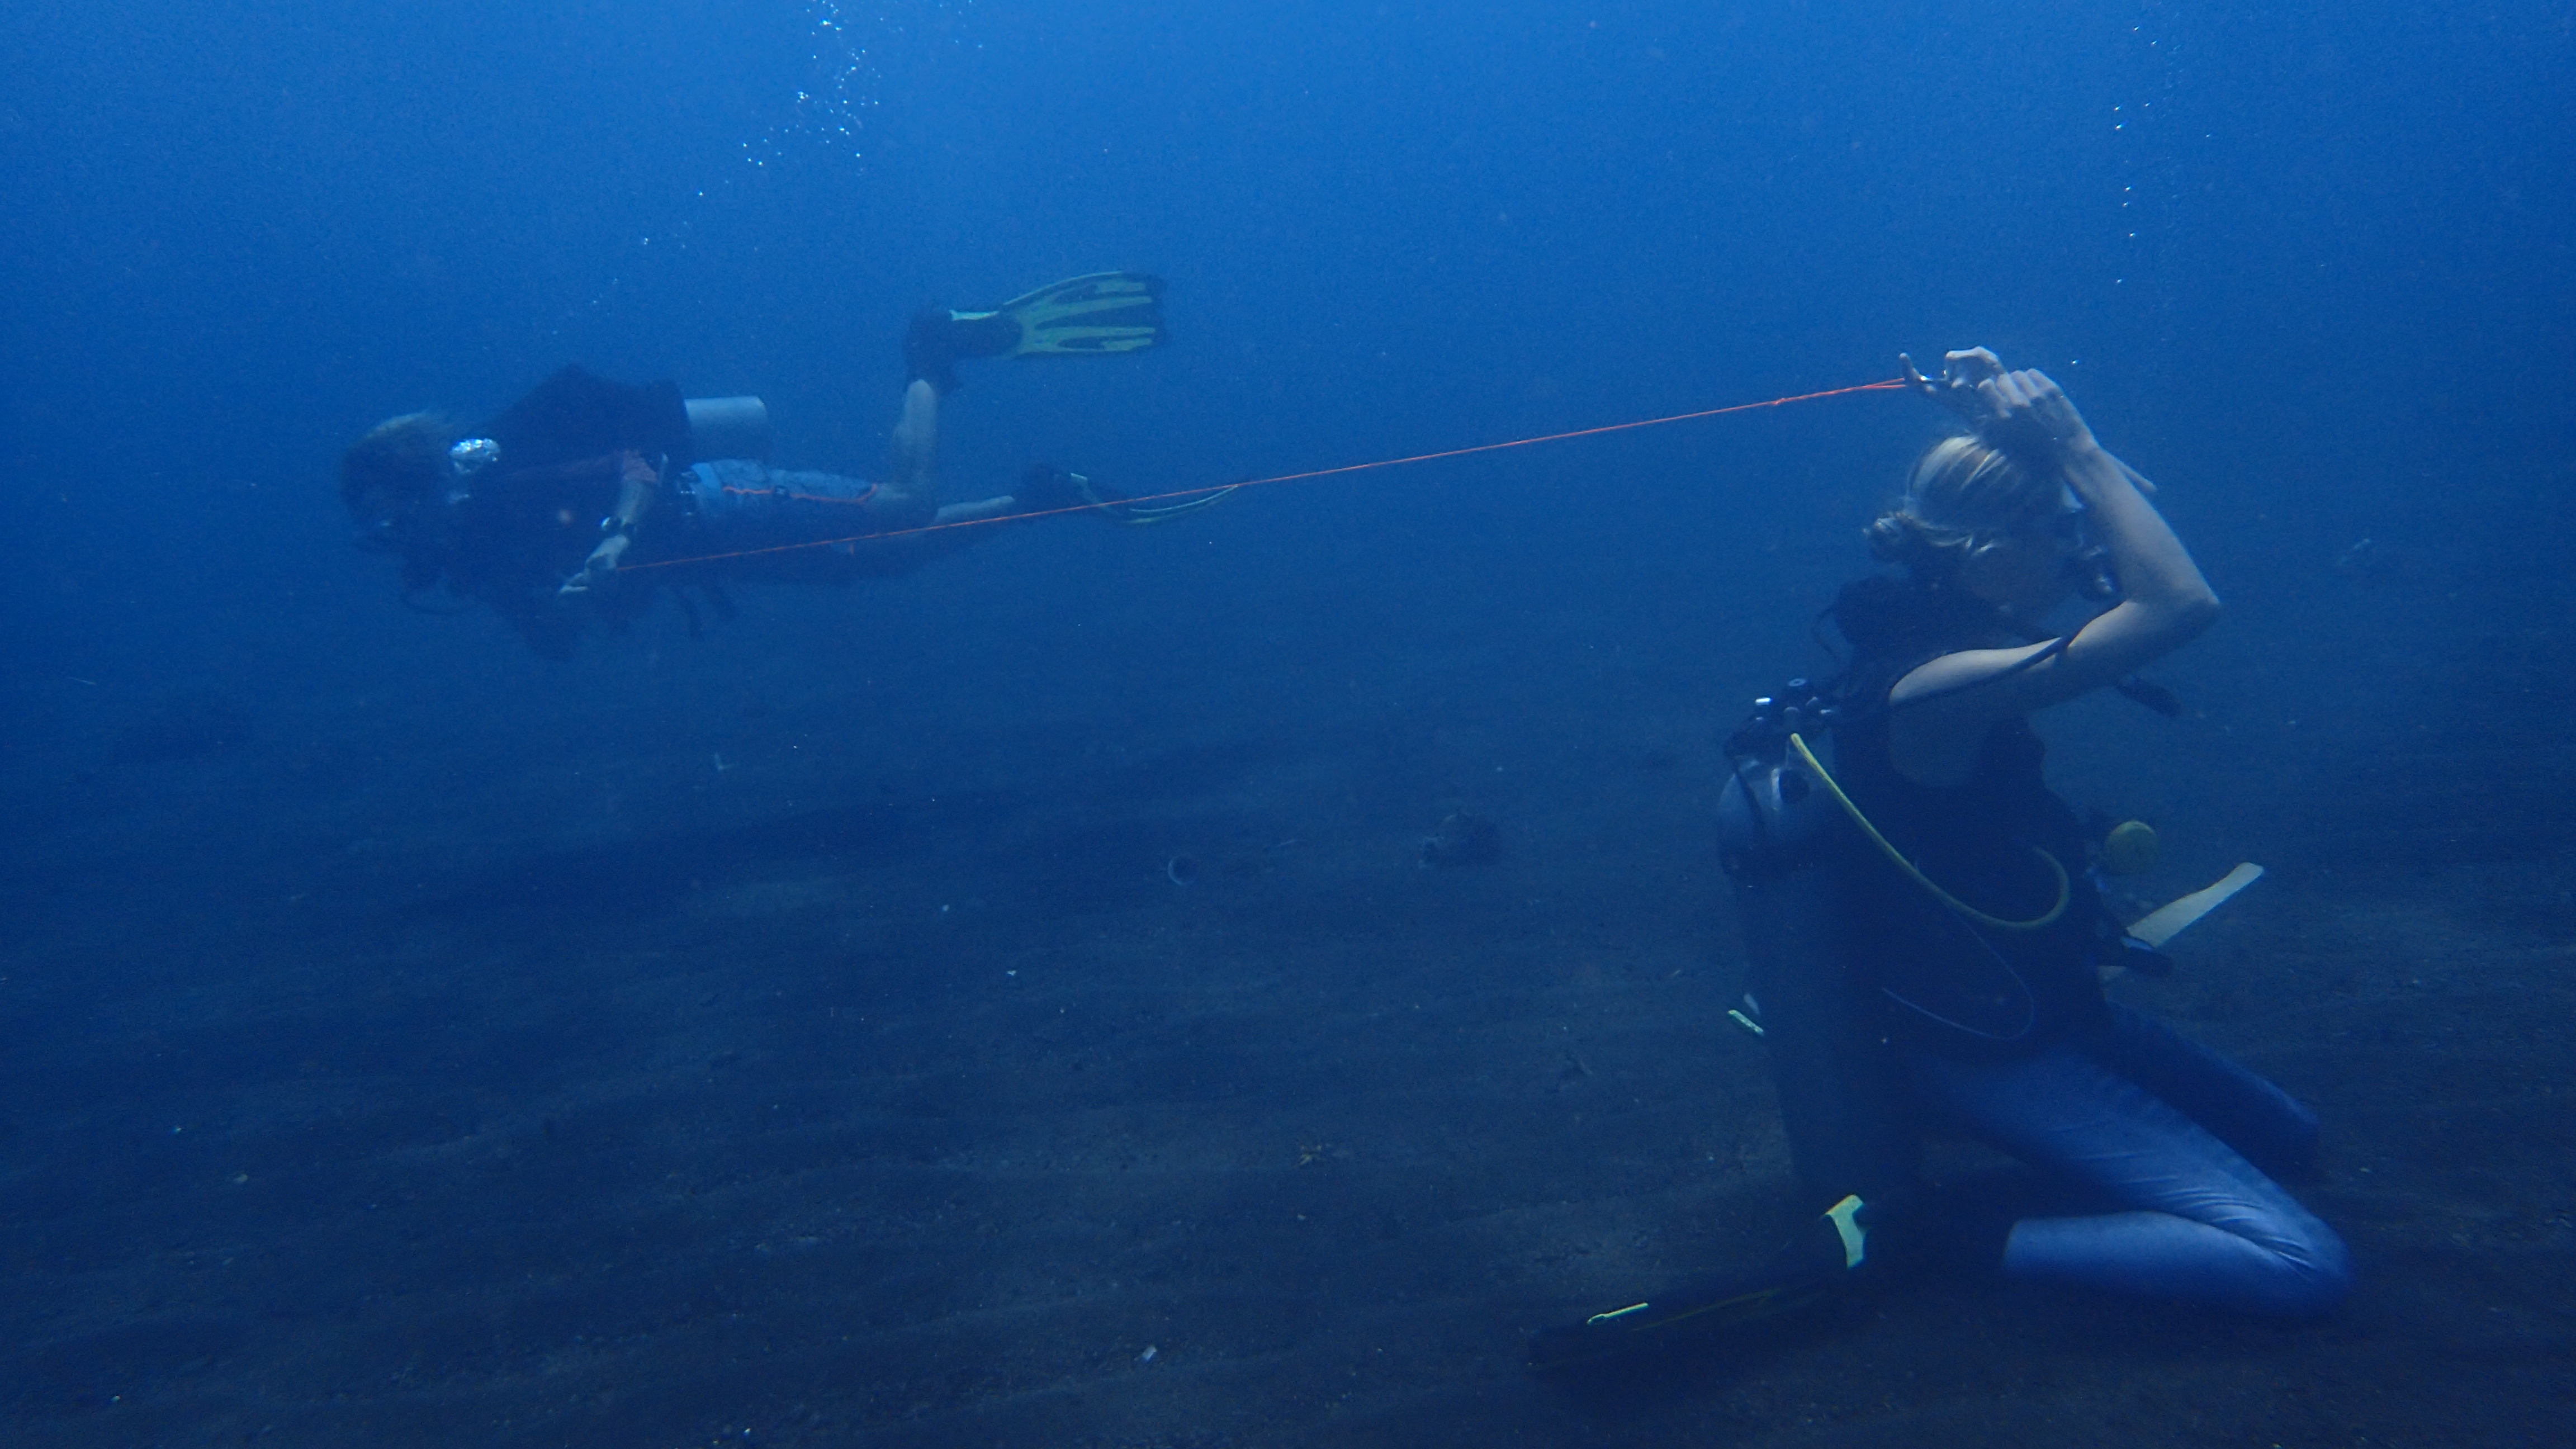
2161, 1127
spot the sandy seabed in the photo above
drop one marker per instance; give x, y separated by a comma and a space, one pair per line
933, 1111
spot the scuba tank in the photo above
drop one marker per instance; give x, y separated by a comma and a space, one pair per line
1784, 842
727, 427
1774, 819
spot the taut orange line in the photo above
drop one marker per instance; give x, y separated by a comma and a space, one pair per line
1889, 385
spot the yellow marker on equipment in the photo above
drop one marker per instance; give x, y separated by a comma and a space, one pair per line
2131, 848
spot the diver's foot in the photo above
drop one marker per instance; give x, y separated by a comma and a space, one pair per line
938, 338
1046, 488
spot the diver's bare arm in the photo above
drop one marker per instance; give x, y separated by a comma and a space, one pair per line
2166, 603
915, 464
635, 491
2165, 599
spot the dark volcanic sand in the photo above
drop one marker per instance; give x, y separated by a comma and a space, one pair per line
914, 1105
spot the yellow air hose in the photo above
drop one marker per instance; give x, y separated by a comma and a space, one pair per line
2065, 888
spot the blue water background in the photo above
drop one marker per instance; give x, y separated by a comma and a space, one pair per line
2316, 257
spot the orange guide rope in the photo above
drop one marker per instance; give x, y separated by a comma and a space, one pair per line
1889, 385
802, 497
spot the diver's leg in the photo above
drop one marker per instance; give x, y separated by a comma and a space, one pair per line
1041, 489
913, 465
1819, 1259
2241, 1109
953, 527
1842, 1098
2205, 1224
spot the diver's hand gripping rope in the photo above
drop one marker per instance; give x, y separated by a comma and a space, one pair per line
2065, 888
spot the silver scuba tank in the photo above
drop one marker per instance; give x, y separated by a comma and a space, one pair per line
728, 427
1781, 838
1774, 817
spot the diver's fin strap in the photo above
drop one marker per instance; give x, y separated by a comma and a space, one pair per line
1135, 516
1640, 1325
2065, 887
1731, 1308
1845, 1216
1801, 1274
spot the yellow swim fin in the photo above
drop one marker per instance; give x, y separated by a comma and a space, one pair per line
1098, 315
1087, 316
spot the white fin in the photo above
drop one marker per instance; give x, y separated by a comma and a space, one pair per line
2169, 920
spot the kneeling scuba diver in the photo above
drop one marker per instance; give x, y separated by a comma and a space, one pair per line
1923, 931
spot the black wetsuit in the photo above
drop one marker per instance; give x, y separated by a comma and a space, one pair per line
512, 534
1944, 982
2005, 1035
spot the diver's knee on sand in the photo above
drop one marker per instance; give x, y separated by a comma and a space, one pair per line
2295, 1268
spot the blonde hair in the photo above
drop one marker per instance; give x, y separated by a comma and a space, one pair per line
1963, 491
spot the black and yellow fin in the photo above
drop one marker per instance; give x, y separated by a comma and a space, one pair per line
1097, 315
1140, 515
1822, 1257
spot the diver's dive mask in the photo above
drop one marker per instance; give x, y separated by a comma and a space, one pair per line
392, 526
2088, 569
472, 455
465, 461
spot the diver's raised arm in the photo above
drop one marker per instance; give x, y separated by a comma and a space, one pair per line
2156, 572
2166, 602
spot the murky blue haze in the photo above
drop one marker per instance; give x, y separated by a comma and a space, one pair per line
794, 1030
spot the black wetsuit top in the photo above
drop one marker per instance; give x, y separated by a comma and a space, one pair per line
524, 526
1946, 982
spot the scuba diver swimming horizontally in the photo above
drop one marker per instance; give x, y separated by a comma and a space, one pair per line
1926, 946
586, 496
